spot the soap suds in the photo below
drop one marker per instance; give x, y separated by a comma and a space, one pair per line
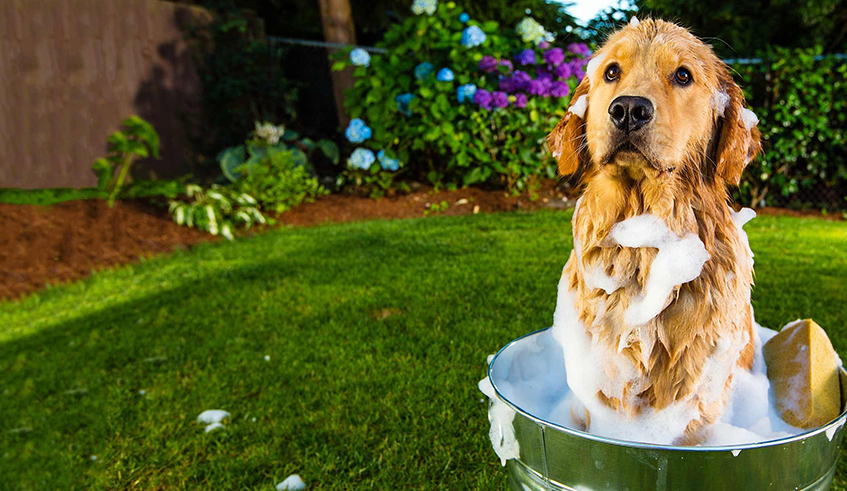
578, 108
502, 432
212, 418
749, 118
291, 483
720, 101
679, 260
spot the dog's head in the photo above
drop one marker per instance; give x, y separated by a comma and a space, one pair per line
656, 97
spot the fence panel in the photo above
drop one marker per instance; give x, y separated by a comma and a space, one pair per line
72, 70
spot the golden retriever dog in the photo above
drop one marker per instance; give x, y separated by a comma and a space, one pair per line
659, 127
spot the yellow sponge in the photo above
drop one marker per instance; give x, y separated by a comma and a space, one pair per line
803, 369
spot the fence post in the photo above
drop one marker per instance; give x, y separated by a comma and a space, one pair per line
337, 20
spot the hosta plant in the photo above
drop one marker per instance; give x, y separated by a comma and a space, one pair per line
218, 210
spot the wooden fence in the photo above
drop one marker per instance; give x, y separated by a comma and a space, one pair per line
72, 70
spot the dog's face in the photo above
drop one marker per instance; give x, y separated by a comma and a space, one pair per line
657, 98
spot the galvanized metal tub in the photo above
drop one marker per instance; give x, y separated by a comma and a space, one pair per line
553, 457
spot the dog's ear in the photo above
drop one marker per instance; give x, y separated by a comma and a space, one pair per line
739, 141
567, 140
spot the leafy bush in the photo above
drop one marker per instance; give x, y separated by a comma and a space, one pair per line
139, 140
458, 101
280, 181
802, 104
273, 166
217, 210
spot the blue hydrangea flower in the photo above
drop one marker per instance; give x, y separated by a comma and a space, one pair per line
360, 57
421, 6
387, 162
464, 18
403, 101
424, 70
444, 75
465, 93
357, 131
362, 158
472, 36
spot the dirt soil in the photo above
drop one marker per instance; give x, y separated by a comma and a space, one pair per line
41, 245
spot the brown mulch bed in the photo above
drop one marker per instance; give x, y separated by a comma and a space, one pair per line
65, 242
41, 245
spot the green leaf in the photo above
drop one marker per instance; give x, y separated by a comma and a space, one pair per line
230, 160
330, 150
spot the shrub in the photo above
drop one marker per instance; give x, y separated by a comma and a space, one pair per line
801, 102
273, 166
280, 181
462, 102
138, 140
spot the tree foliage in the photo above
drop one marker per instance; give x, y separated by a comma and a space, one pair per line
742, 27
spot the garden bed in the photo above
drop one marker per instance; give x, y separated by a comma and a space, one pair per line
42, 245
67, 241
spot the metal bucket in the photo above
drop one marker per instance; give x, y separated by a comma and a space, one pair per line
554, 457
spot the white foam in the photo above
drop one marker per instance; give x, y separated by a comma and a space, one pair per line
679, 260
578, 108
749, 118
210, 416
291, 483
830, 432
213, 427
502, 432
720, 101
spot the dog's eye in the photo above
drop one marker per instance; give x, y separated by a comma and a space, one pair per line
682, 76
612, 73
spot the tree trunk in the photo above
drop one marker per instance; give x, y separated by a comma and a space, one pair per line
337, 19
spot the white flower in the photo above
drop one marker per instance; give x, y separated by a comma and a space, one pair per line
269, 132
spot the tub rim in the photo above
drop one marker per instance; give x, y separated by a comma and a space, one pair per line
839, 421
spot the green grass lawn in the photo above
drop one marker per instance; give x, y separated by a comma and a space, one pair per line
377, 334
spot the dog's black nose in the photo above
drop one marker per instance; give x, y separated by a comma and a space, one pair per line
630, 113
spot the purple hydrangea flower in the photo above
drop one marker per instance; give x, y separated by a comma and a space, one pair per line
544, 45
560, 89
483, 98
577, 68
540, 86
521, 80
520, 100
508, 65
526, 57
488, 64
579, 49
500, 99
563, 71
507, 84
554, 57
